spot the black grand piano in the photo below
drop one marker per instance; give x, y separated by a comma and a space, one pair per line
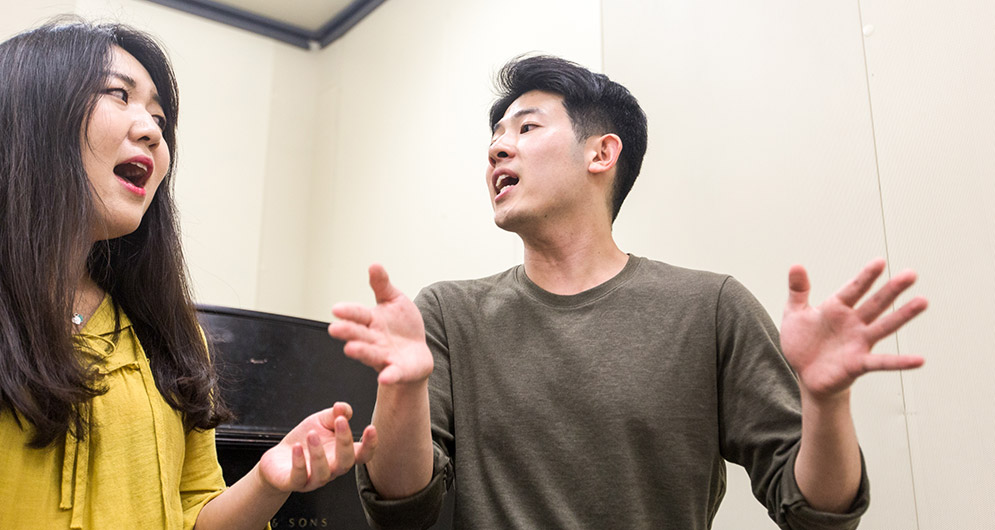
277, 370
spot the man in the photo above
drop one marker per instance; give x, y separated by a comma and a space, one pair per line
588, 388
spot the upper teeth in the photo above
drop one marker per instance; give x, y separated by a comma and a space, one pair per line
141, 165
503, 181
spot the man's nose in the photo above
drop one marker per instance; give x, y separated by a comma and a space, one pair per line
501, 148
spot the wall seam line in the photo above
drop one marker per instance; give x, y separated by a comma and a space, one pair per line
887, 250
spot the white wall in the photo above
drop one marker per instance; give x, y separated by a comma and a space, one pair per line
19, 16
931, 85
779, 133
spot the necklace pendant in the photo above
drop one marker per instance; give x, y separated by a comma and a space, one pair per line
77, 319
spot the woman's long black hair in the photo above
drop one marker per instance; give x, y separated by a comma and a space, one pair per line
50, 79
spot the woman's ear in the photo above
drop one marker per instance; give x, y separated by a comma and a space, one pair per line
606, 149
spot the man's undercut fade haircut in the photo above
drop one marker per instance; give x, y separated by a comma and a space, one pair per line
595, 104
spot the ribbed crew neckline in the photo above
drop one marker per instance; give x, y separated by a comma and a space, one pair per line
584, 297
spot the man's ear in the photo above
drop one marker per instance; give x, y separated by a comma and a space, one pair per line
606, 149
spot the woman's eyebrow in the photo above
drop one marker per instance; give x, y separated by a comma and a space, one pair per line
126, 79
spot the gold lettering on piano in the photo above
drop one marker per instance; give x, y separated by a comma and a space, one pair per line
299, 522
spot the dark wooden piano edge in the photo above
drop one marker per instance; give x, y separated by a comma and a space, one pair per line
249, 313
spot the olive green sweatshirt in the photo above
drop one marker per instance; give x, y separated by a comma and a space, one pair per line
613, 408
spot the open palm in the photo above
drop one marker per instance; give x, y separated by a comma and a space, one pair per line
317, 450
389, 337
829, 345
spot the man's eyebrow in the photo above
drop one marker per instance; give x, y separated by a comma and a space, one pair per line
130, 81
519, 114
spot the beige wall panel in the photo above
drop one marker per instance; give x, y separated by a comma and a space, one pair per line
761, 155
225, 77
18, 15
403, 147
325, 237
286, 230
932, 83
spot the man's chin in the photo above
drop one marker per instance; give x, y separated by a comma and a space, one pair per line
505, 223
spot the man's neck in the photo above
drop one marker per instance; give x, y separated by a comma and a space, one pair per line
574, 264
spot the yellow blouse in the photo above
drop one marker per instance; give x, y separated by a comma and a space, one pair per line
137, 468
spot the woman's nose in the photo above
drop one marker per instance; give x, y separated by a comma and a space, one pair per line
146, 129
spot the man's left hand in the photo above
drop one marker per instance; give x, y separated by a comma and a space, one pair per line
829, 345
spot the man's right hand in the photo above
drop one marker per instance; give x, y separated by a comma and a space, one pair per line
389, 337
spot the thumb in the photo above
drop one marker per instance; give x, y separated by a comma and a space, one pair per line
390, 375
798, 287
383, 290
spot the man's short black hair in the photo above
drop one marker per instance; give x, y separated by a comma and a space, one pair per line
595, 104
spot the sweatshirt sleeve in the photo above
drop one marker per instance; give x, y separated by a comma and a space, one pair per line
760, 413
422, 509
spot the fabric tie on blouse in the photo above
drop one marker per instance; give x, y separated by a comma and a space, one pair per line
75, 463
102, 347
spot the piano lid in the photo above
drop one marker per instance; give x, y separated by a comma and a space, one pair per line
276, 370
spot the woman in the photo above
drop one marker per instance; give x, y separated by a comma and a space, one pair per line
108, 398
